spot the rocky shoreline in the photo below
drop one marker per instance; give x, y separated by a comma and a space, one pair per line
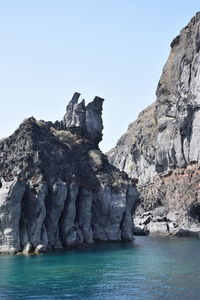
57, 189
151, 224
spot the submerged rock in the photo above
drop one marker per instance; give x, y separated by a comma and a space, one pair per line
57, 189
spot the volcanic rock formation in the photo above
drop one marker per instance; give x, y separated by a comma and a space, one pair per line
162, 147
57, 189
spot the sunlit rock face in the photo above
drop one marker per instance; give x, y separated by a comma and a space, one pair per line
85, 118
178, 102
162, 147
57, 189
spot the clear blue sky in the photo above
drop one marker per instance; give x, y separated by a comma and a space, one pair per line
110, 48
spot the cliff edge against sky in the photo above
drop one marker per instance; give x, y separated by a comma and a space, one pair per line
162, 147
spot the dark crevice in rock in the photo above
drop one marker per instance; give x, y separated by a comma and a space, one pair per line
175, 41
194, 211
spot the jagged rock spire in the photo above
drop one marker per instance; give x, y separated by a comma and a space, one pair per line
86, 119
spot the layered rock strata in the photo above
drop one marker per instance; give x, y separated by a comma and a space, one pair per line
162, 147
57, 189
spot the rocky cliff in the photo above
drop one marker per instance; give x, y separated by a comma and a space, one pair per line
162, 147
57, 189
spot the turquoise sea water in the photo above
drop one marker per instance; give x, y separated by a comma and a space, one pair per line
148, 268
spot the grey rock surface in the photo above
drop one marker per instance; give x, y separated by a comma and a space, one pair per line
54, 207
68, 232
94, 124
127, 222
57, 188
161, 149
178, 102
11, 194
85, 119
135, 150
34, 211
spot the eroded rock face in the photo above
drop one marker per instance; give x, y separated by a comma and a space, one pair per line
86, 119
94, 124
111, 206
34, 212
162, 147
54, 206
178, 102
11, 194
57, 188
135, 150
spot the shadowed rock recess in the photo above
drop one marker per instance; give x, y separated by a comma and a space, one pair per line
57, 189
162, 147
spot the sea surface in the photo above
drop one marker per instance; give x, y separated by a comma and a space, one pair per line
147, 268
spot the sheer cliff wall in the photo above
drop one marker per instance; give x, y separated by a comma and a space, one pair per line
162, 147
